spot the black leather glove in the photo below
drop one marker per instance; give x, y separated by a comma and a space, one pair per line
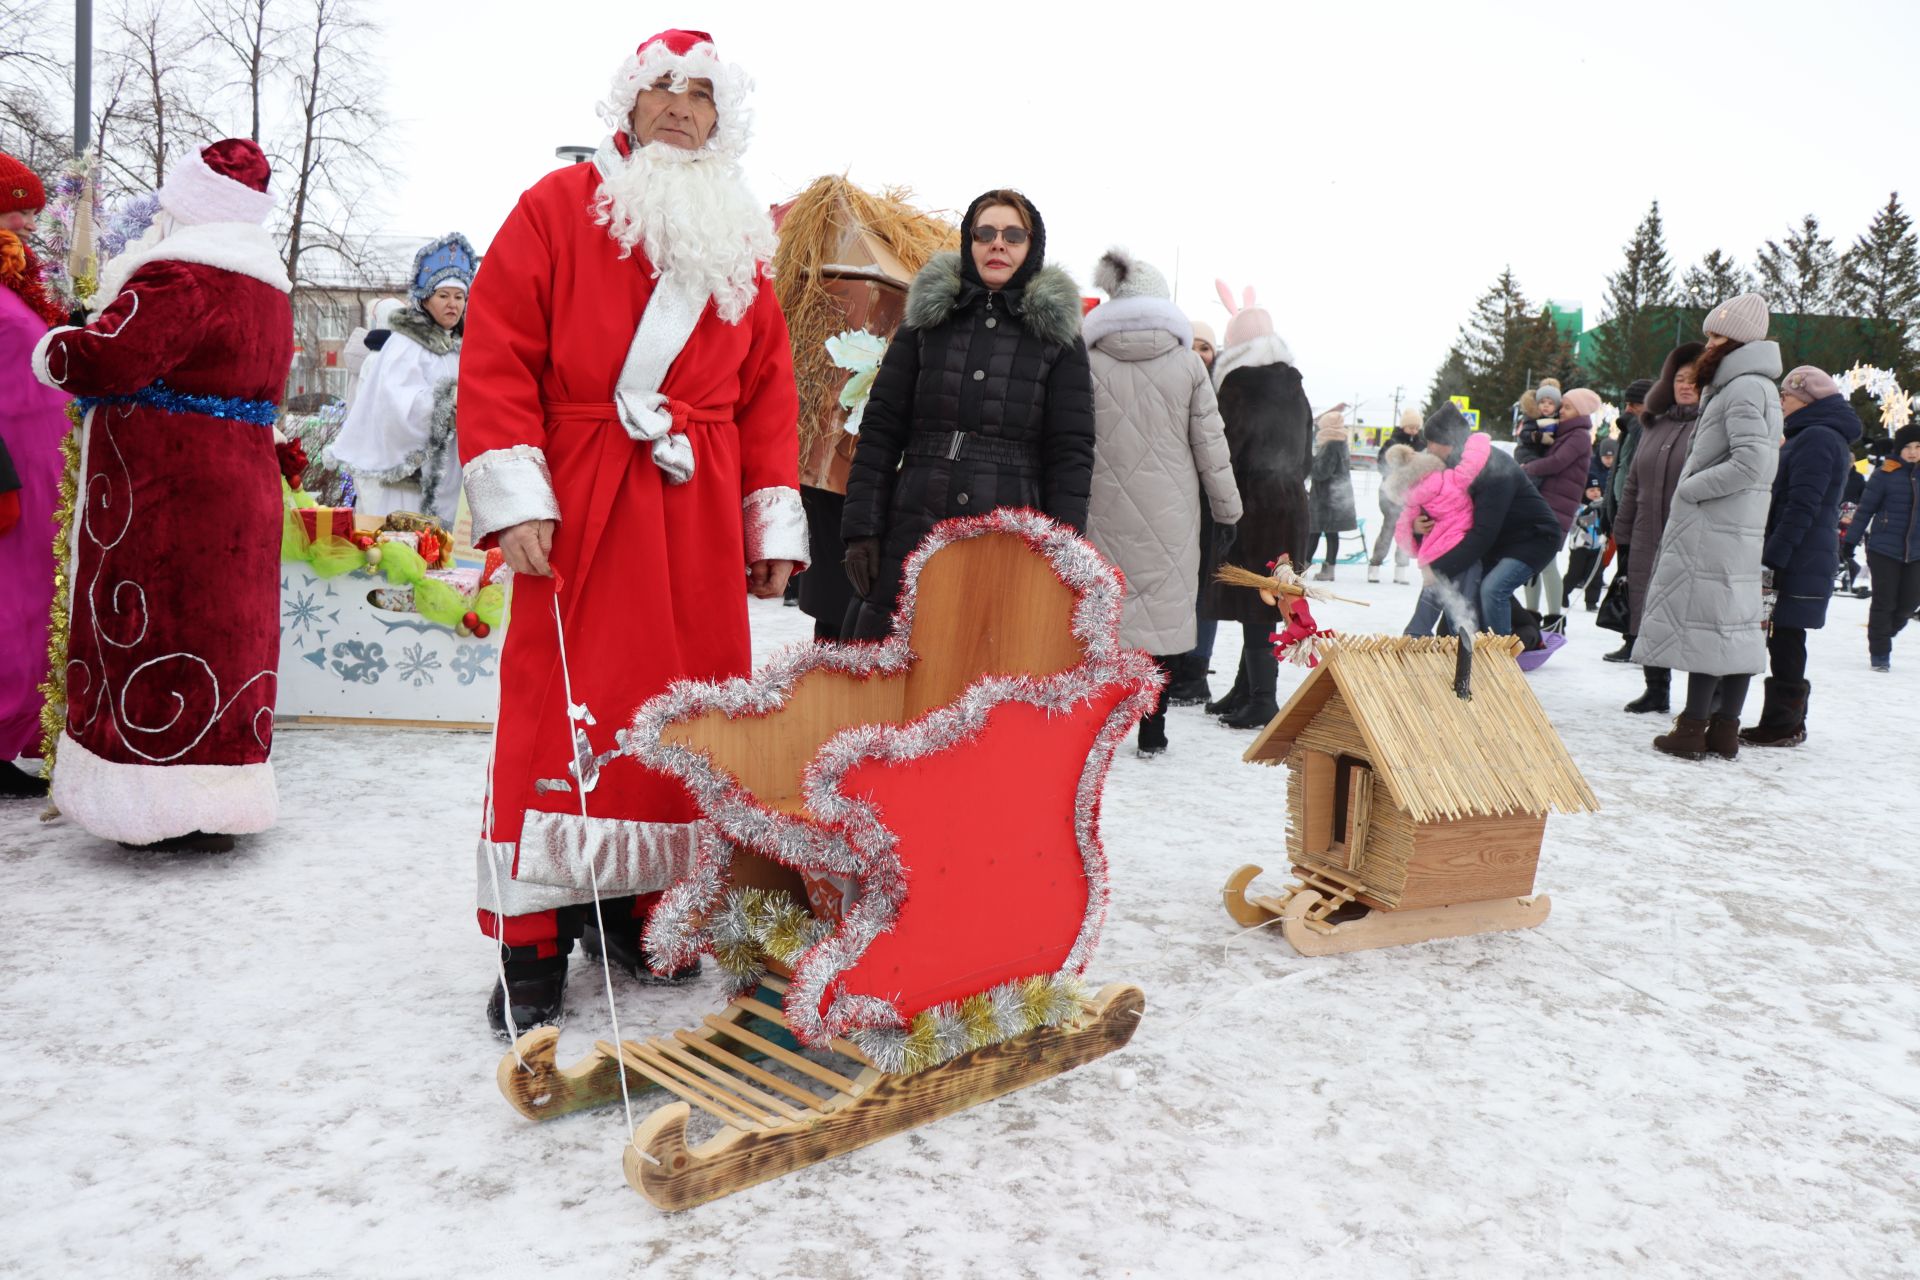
1223, 539
862, 564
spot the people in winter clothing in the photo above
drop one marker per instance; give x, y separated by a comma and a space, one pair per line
1560, 473
1888, 519
1665, 438
1635, 399
1158, 443
1587, 541
1704, 612
1270, 437
1205, 345
983, 400
1802, 549
1534, 432
33, 425
1425, 486
1189, 684
1330, 501
1513, 532
1405, 433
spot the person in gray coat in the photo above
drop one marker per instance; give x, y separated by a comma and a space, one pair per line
1704, 614
1158, 443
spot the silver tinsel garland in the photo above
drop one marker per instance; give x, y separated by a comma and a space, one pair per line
849, 839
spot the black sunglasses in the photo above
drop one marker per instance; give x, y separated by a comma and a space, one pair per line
1012, 235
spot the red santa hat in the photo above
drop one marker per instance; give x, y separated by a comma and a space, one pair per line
20, 189
682, 56
225, 182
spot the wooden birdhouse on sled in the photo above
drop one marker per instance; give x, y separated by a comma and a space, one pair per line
1412, 812
950, 776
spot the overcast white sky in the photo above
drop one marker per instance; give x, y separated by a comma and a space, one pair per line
1353, 161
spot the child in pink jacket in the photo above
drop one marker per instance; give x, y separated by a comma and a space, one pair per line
1432, 488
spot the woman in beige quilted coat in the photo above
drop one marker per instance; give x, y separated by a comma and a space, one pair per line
1158, 444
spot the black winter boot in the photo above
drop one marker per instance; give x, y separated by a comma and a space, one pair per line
16, 783
192, 842
1153, 734
624, 951
1656, 699
1188, 687
1263, 675
537, 990
1624, 653
1783, 719
1236, 696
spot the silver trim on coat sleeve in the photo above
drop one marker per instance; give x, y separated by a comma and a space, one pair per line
506, 487
776, 526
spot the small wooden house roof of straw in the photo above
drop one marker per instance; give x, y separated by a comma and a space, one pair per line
1441, 758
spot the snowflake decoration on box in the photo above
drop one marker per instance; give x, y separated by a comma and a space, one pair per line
474, 662
359, 662
417, 665
302, 616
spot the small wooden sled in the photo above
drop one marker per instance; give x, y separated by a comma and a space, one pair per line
774, 1123
1304, 911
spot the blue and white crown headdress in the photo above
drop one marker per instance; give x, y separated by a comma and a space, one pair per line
448, 260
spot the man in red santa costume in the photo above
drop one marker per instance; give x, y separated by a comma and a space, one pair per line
176, 542
628, 437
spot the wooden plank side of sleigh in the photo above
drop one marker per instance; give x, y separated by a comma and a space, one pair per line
736, 1159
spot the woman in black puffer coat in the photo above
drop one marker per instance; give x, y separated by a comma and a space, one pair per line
984, 400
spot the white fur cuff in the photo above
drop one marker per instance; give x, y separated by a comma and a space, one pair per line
142, 803
506, 487
41, 349
776, 526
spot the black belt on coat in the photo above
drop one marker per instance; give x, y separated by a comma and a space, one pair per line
969, 446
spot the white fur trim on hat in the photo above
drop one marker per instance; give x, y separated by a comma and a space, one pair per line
731, 85
193, 193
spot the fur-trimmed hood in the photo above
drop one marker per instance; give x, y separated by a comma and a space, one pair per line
1131, 315
1049, 306
1271, 349
425, 330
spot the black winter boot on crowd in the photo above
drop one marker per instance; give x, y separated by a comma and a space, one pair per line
1783, 720
1153, 735
1655, 699
1723, 737
1188, 688
192, 842
17, 784
1255, 713
1236, 697
536, 993
1688, 740
1624, 653
623, 951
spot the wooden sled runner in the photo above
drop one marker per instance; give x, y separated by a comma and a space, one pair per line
900, 861
1419, 783
774, 1124
1303, 913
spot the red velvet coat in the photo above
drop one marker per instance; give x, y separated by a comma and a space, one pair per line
651, 574
175, 632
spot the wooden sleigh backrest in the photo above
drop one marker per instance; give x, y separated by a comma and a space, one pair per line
987, 605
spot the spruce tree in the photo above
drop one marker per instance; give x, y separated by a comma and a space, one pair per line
1452, 378
1880, 283
1633, 341
1494, 345
1716, 279
1800, 274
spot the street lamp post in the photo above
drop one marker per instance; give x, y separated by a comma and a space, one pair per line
82, 75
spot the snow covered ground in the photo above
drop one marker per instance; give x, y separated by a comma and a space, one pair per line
1706, 1063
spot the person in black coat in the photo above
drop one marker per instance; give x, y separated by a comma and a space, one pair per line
1514, 532
1263, 402
983, 400
1802, 550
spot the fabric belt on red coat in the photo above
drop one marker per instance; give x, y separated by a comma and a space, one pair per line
682, 413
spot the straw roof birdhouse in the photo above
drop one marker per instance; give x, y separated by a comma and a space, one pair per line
1402, 797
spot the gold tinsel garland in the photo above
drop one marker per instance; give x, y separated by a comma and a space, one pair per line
53, 691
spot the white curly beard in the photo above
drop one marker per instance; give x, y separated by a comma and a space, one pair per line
693, 214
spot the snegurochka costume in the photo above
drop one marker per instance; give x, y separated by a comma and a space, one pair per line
176, 541
398, 442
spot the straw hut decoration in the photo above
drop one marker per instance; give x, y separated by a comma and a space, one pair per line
1415, 810
845, 260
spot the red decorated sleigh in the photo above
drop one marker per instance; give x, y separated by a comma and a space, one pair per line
901, 868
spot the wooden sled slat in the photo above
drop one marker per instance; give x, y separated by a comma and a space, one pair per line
805, 1065
704, 1041
1301, 914
735, 1159
845, 1048
670, 1081
765, 1101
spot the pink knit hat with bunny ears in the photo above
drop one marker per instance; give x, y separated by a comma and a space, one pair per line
1246, 320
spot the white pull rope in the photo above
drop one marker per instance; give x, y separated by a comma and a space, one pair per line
499, 915
606, 964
